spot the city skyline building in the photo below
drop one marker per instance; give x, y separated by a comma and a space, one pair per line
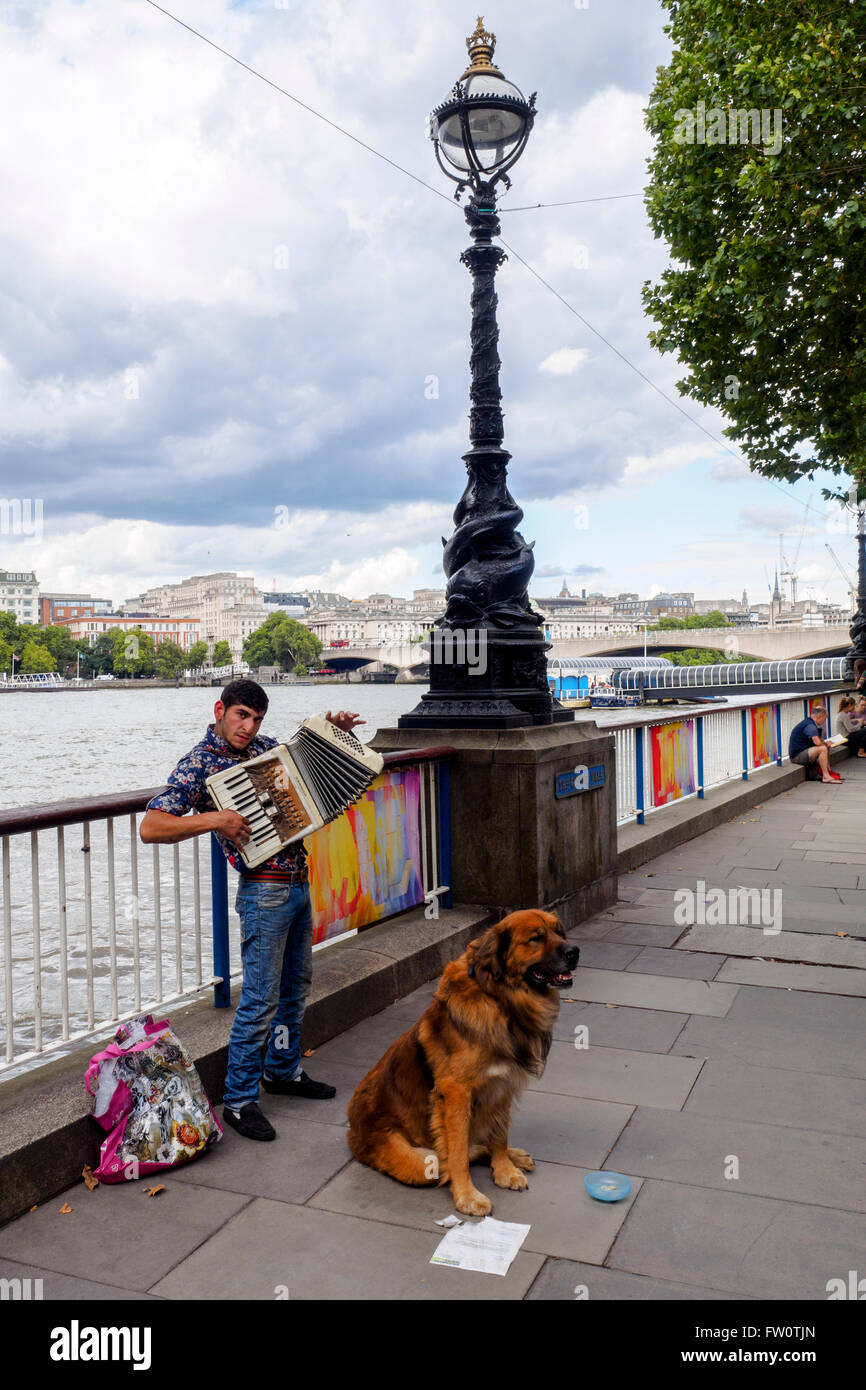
183, 631
55, 608
19, 594
228, 606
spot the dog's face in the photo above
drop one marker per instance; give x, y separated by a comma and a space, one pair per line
526, 950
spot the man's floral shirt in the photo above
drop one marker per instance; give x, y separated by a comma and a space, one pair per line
186, 791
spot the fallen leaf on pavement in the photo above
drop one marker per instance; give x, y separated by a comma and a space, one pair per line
841, 933
36, 1208
649, 875
152, 1191
310, 1052
90, 1180
611, 1006
66, 1209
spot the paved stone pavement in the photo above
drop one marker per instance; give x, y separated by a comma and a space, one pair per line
725, 1073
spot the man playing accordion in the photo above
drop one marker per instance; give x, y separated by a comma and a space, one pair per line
273, 903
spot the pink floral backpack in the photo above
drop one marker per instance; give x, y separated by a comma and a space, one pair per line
149, 1097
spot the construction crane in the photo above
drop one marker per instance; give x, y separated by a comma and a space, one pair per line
852, 587
787, 569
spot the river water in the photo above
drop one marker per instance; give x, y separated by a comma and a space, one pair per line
62, 745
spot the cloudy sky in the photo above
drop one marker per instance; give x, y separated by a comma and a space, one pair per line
232, 338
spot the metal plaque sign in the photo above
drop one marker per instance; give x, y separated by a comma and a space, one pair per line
580, 779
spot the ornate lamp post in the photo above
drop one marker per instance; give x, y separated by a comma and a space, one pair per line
488, 666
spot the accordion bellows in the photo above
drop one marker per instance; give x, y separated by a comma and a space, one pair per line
296, 787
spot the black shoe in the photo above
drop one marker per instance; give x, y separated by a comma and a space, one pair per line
250, 1122
312, 1090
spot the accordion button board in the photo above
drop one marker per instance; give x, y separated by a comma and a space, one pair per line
293, 789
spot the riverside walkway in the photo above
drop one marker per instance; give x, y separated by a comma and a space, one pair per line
725, 1073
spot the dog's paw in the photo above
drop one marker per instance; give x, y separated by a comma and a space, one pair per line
521, 1159
474, 1203
506, 1175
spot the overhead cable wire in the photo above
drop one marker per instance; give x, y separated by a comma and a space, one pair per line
298, 102
616, 197
665, 397
573, 202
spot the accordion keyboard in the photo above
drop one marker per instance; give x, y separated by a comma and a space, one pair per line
270, 804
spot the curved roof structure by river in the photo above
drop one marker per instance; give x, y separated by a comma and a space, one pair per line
603, 663
808, 673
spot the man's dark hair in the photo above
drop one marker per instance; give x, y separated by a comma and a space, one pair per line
247, 693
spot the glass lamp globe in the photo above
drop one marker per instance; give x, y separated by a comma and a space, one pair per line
483, 125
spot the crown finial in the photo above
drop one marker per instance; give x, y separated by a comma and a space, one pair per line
481, 44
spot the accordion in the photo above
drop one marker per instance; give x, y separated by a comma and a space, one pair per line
296, 787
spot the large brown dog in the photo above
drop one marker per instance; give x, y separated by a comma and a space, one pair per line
441, 1096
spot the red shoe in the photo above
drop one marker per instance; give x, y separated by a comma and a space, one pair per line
834, 777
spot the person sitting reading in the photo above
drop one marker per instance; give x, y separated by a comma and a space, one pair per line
806, 746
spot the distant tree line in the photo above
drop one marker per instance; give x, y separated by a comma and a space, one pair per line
117, 652
130, 652
715, 618
701, 656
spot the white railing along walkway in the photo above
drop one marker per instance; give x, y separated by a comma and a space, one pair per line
680, 755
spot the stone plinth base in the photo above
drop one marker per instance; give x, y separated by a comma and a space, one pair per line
514, 844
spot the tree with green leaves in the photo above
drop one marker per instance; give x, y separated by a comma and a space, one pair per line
99, 659
756, 183
283, 642
197, 655
222, 655
170, 661
35, 658
5, 656
133, 651
60, 643
715, 618
700, 656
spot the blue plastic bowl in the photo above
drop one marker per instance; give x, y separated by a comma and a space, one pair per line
607, 1187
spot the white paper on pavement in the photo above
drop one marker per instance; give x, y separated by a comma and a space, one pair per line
488, 1247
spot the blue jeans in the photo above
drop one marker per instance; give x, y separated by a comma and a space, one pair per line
277, 957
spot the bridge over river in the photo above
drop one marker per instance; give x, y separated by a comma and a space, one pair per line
760, 644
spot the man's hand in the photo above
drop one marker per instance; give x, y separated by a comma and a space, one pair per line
344, 720
163, 828
233, 826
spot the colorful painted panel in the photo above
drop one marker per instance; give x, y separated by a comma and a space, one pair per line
815, 702
765, 744
673, 761
366, 865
